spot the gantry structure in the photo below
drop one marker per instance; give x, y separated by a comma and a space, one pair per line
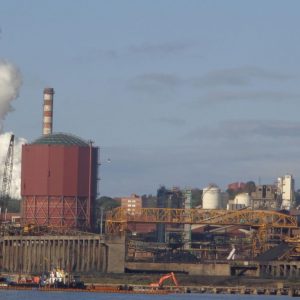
118, 219
265, 223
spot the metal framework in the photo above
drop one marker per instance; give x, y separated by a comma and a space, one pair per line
118, 219
7, 173
56, 211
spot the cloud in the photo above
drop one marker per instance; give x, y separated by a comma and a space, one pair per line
252, 96
146, 49
235, 79
241, 76
143, 169
172, 121
166, 48
96, 54
247, 129
151, 82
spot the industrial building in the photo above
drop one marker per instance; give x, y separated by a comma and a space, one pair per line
247, 234
59, 177
132, 203
59, 181
286, 190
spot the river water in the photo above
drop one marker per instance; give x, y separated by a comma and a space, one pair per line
37, 295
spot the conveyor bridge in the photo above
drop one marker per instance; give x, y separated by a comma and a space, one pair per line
118, 219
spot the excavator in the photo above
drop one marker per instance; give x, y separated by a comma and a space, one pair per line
161, 281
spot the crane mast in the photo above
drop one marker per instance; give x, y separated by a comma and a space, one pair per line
7, 173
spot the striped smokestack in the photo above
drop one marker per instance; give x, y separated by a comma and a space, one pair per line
48, 110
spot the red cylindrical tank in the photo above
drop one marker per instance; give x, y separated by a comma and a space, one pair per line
59, 181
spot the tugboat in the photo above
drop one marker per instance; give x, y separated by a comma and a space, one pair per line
55, 279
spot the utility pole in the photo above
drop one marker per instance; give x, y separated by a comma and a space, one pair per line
101, 220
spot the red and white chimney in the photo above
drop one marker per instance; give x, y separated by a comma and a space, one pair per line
48, 111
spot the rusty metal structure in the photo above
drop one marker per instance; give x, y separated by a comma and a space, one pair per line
118, 219
265, 230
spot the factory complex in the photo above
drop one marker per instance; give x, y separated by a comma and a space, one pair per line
249, 230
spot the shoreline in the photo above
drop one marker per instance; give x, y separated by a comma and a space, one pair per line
139, 283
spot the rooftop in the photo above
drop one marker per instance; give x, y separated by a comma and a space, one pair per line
60, 139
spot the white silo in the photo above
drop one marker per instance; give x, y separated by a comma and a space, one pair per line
242, 200
211, 198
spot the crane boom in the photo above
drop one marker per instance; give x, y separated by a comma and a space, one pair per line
7, 173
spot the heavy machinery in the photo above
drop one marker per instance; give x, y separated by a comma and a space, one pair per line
161, 281
7, 174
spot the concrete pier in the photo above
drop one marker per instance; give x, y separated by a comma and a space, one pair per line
37, 254
279, 269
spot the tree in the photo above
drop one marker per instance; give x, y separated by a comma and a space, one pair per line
103, 205
106, 203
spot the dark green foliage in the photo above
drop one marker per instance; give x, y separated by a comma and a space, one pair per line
102, 206
106, 203
12, 205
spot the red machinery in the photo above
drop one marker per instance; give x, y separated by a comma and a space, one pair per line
159, 284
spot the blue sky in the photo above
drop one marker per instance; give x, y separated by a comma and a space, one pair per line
180, 93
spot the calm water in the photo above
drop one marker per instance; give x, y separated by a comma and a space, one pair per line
32, 295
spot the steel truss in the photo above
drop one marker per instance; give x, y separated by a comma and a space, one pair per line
70, 212
117, 220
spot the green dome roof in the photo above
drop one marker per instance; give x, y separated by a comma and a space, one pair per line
60, 139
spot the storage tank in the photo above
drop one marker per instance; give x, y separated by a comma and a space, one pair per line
211, 198
59, 181
242, 199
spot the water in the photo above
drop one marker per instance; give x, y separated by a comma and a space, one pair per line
37, 295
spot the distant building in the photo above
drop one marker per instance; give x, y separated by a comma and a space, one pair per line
241, 201
132, 203
236, 186
265, 197
286, 190
167, 198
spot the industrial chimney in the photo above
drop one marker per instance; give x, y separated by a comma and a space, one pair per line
48, 111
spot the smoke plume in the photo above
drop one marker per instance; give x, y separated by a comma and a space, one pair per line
10, 83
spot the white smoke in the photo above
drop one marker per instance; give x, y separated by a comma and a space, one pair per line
10, 83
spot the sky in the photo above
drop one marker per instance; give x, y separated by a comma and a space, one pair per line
174, 92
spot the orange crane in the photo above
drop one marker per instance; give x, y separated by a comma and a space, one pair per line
161, 281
